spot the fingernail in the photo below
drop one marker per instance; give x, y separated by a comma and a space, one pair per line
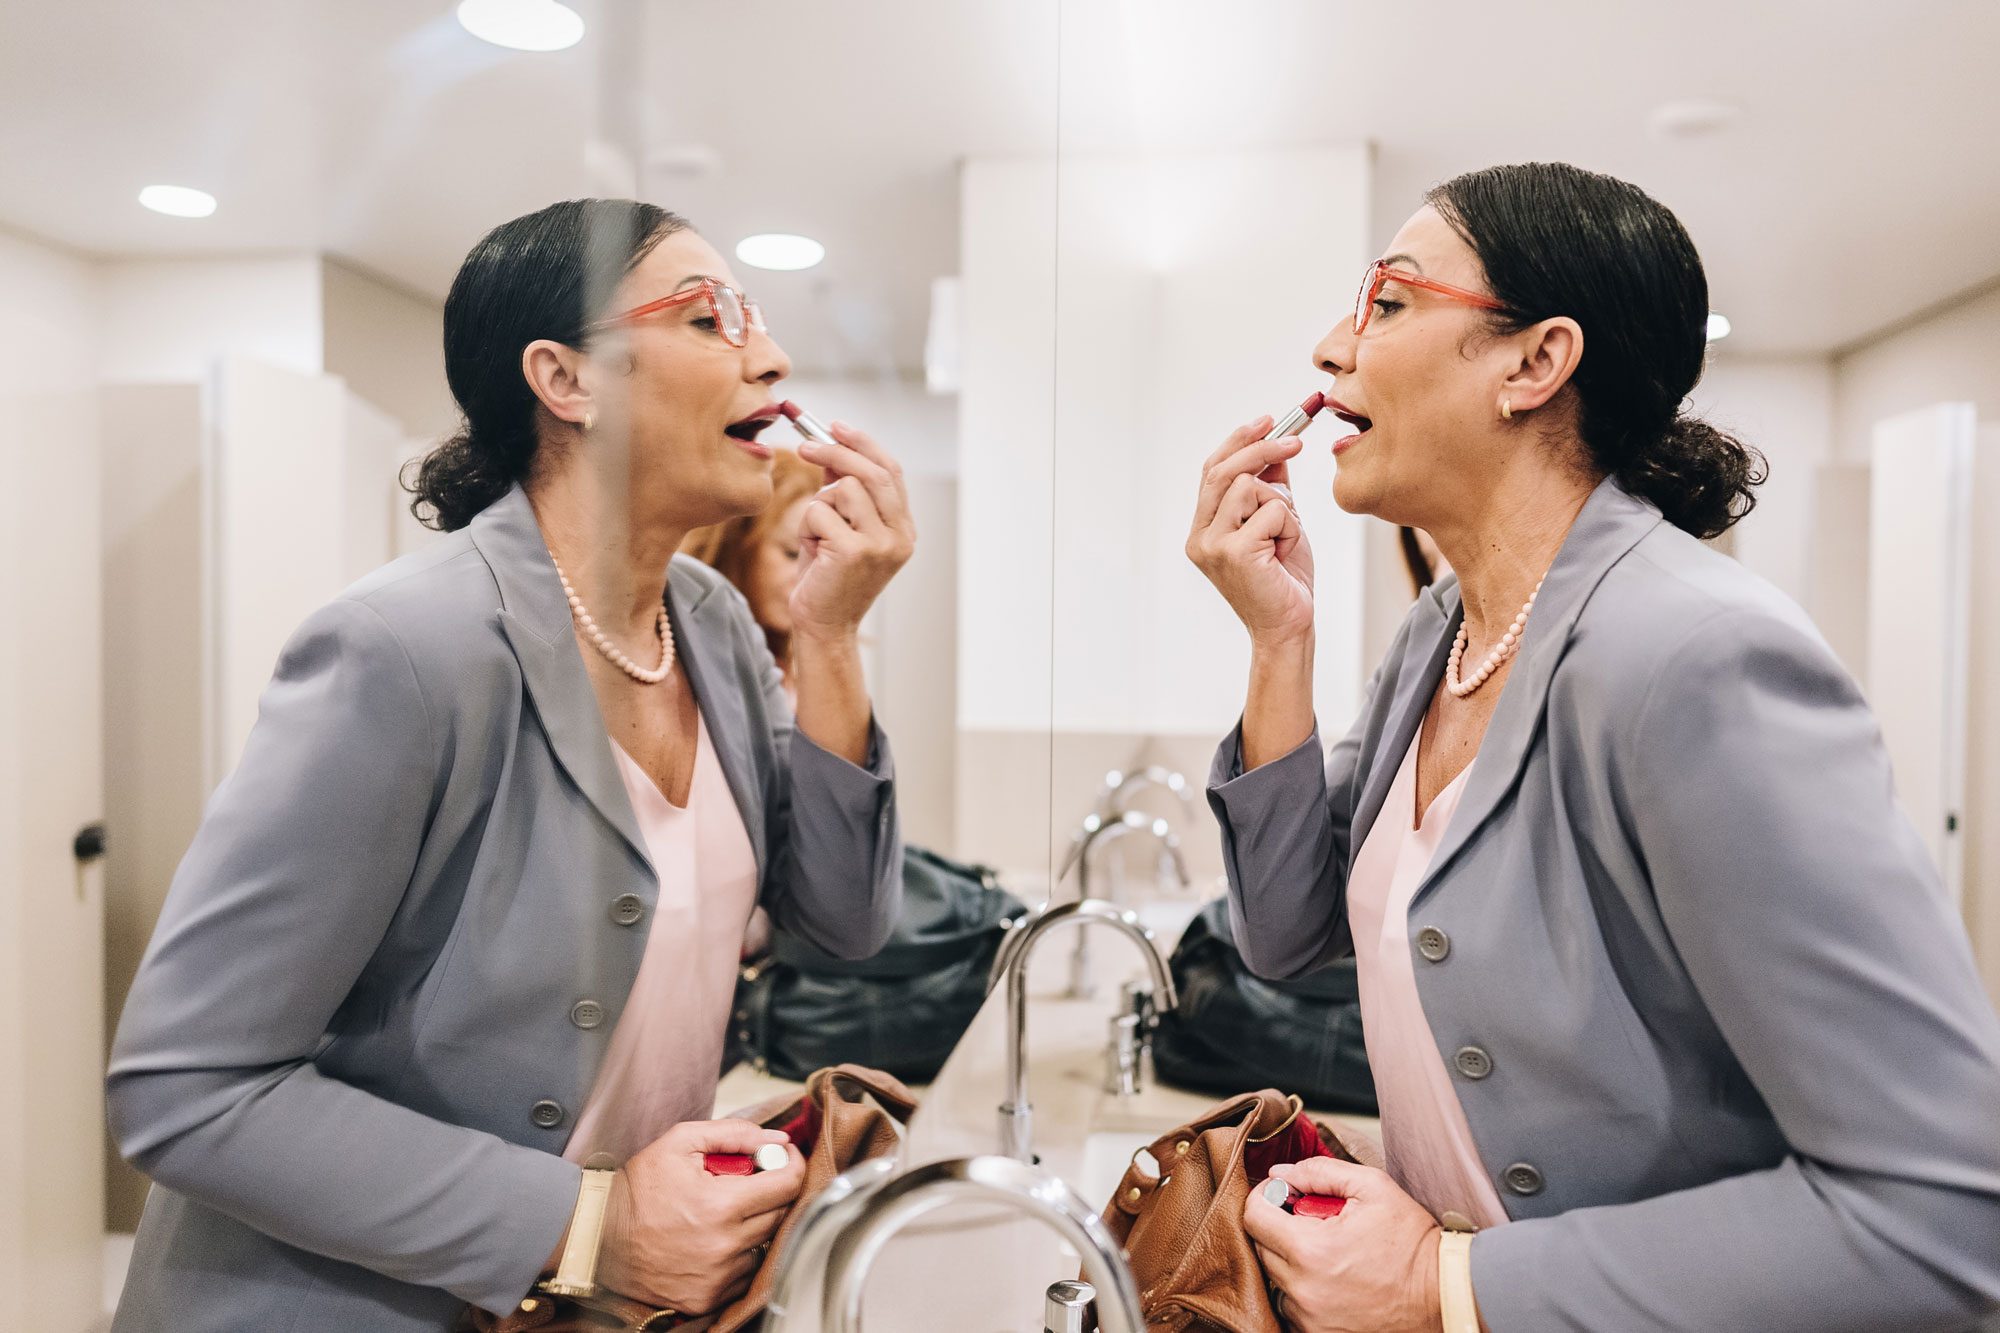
839, 425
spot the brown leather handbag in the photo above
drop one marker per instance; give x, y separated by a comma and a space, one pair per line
847, 1114
1182, 1223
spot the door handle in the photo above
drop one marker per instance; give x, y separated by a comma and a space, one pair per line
88, 845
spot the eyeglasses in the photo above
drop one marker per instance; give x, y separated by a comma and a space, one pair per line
1379, 273
734, 313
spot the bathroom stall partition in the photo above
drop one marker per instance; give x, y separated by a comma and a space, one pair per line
51, 883
1933, 641
232, 508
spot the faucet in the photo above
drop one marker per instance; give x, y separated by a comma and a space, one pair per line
825, 1216
1016, 1115
1096, 833
1119, 788
845, 1236
1114, 807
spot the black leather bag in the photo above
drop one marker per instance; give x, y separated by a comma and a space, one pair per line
1234, 1031
799, 1009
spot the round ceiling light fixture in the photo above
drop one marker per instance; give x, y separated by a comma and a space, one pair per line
522, 25
1718, 327
177, 201
776, 250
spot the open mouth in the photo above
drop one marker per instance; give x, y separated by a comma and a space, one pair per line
747, 429
1347, 414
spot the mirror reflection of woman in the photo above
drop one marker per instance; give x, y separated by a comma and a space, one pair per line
1667, 1008
460, 933
761, 554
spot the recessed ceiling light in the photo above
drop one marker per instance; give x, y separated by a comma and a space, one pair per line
779, 251
177, 201
1692, 119
522, 25
1718, 327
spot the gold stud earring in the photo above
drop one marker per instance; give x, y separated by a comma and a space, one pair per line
1506, 409
589, 422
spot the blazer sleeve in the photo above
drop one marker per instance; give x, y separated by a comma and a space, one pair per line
1809, 917
1287, 827
835, 838
288, 888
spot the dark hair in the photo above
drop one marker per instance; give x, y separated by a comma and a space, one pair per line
540, 276
1558, 240
1415, 561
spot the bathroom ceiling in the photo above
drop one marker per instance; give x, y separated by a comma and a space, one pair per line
1855, 186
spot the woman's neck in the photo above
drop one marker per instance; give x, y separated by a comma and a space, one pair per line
1503, 548
616, 561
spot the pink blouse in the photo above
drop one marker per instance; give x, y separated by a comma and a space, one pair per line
1425, 1137
666, 1052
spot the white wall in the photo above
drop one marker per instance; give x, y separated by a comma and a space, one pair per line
169, 319
1182, 303
1783, 407
388, 344
1952, 355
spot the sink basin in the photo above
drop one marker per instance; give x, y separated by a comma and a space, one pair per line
1106, 1154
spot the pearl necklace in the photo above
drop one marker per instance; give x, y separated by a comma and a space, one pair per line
612, 652
1502, 650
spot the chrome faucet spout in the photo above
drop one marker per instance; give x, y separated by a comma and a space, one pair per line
1016, 1113
865, 1220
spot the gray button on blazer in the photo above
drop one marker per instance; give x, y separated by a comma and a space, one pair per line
1715, 1027
349, 1060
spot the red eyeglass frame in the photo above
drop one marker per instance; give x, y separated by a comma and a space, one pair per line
1379, 274
753, 314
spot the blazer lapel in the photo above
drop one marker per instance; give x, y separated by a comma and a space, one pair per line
536, 620
701, 635
1610, 524
1425, 650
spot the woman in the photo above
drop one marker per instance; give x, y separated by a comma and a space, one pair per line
759, 553
1663, 997
453, 949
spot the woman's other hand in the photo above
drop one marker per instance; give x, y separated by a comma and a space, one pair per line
1246, 536
1372, 1267
676, 1236
855, 535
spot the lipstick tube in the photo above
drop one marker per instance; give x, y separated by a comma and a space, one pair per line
1297, 419
1281, 1194
770, 1157
806, 424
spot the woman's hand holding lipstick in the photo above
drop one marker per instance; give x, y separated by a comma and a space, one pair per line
856, 534
1246, 537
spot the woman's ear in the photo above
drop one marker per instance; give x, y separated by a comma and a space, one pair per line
1549, 354
554, 372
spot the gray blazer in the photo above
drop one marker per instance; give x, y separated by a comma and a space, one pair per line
1715, 1027
359, 1039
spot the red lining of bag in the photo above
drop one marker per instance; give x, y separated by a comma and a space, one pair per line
1296, 1142
802, 1129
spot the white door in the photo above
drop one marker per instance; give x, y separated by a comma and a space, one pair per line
51, 905
1919, 604
277, 526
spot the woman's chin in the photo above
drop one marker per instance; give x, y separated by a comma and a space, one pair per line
1352, 491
